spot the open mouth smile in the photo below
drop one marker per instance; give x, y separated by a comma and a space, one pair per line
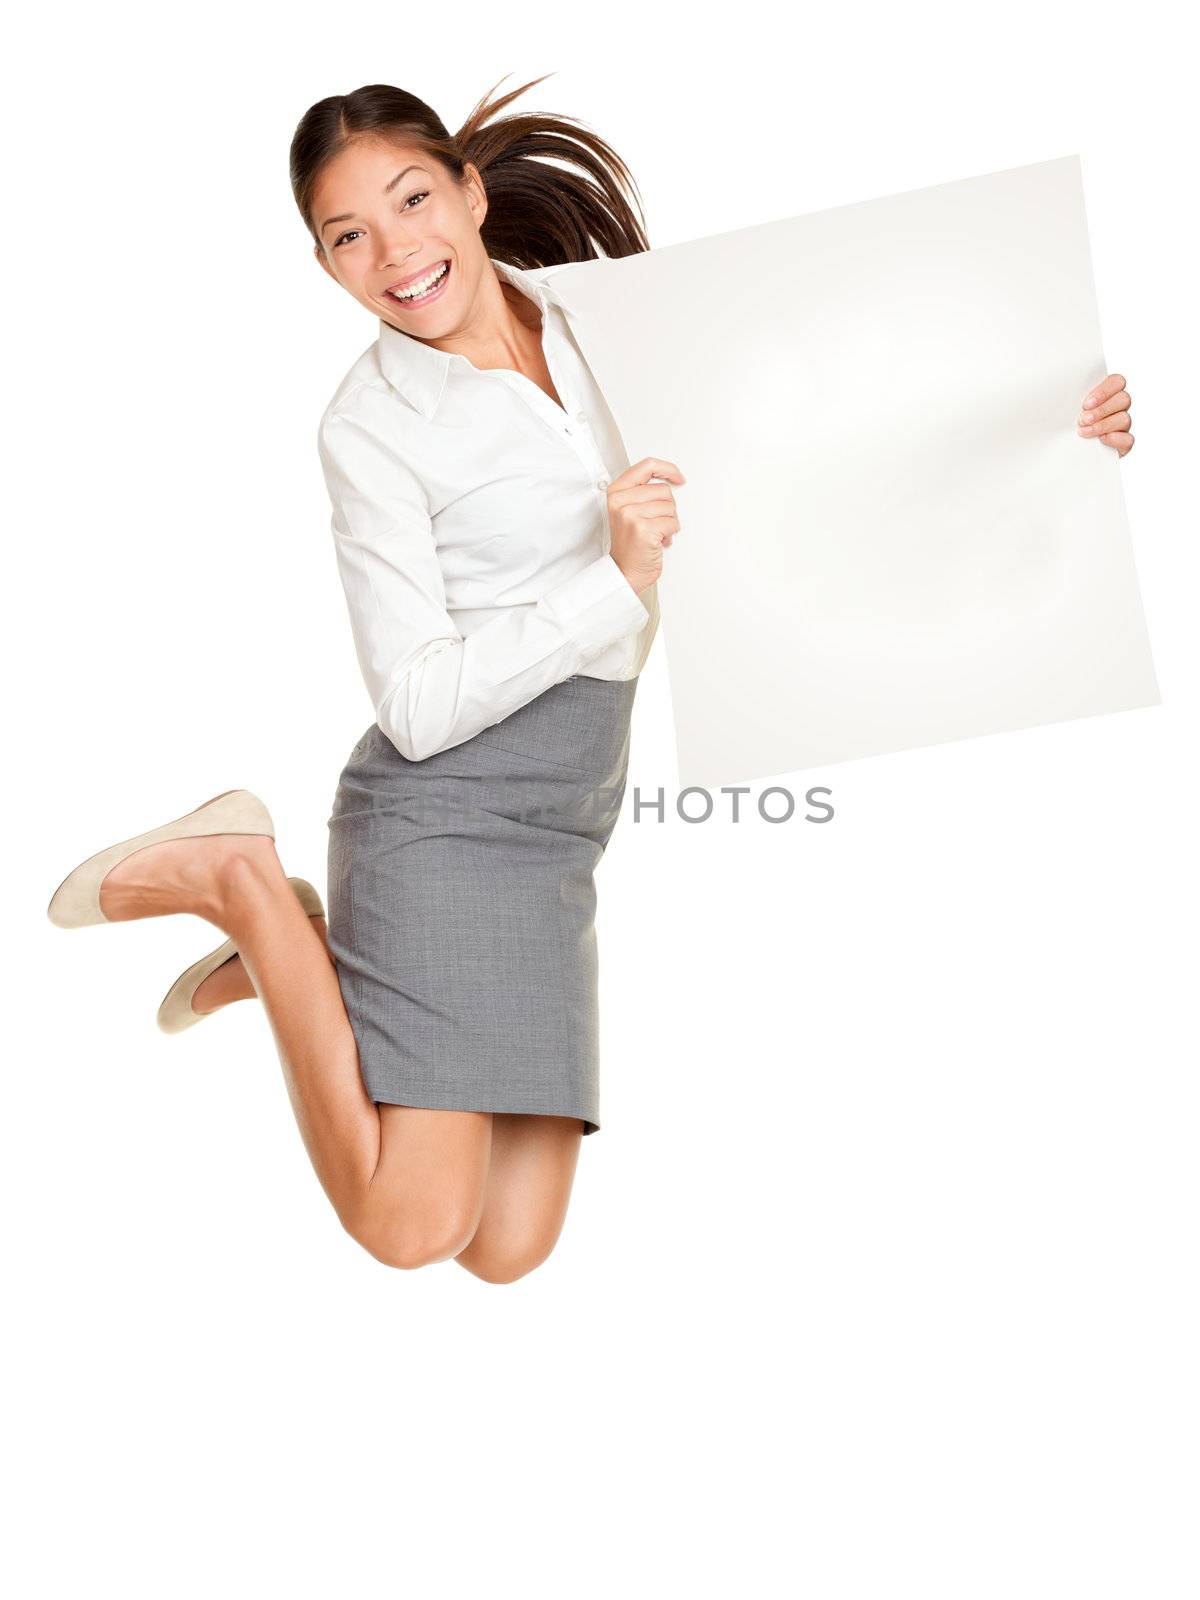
422, 291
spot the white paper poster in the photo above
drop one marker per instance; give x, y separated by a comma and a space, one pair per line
892, 534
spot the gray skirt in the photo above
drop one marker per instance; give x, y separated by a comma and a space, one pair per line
461, 906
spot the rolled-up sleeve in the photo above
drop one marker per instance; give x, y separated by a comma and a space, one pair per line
431, 687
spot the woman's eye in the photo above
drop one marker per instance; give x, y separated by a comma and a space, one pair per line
422, 194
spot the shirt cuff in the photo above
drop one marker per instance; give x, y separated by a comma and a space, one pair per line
596, 605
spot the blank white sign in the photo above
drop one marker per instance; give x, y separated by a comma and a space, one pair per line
892, 534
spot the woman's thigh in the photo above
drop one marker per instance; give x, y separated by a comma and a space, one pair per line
426, 1197
490, 1188
526, 1194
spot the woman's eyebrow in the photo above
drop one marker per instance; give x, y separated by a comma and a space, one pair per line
347, 216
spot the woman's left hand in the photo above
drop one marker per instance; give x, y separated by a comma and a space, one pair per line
1105, 415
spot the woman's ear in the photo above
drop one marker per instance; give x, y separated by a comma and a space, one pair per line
477, 202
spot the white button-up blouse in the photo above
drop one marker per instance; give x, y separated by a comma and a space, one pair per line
470, 521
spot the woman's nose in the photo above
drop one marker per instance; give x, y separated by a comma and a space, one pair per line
395, 248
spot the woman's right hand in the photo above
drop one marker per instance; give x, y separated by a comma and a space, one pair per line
642, 519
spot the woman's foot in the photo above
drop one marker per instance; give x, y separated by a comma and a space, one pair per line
184, 875
230, 981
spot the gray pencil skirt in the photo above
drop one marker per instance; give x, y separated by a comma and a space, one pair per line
461, 906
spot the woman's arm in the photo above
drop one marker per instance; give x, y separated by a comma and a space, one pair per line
431, 687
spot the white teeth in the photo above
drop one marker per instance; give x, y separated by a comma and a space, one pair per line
415, 290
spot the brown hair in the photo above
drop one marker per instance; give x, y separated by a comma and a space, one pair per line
538, 215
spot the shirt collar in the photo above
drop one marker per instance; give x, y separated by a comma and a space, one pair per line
418, 371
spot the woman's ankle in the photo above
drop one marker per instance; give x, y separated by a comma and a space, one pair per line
247, 876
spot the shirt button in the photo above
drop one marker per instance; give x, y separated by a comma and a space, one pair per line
602, 483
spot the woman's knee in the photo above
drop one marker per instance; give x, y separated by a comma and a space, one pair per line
506, 1260
416, 1236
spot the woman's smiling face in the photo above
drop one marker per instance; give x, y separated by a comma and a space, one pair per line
391, 217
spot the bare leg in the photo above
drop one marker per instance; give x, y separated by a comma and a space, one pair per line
528, 1188
230, 981
407, 1183
530, 1174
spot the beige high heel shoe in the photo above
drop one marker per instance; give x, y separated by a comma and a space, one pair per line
76, 901
175, 1013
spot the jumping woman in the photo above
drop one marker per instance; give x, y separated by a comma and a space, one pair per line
439, 1037
499, 555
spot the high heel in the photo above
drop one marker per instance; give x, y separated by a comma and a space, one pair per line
76, 901
176, 1013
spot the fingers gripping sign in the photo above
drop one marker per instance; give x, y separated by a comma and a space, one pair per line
643, 519
1106, 414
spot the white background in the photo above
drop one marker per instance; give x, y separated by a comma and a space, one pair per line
879, 1279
